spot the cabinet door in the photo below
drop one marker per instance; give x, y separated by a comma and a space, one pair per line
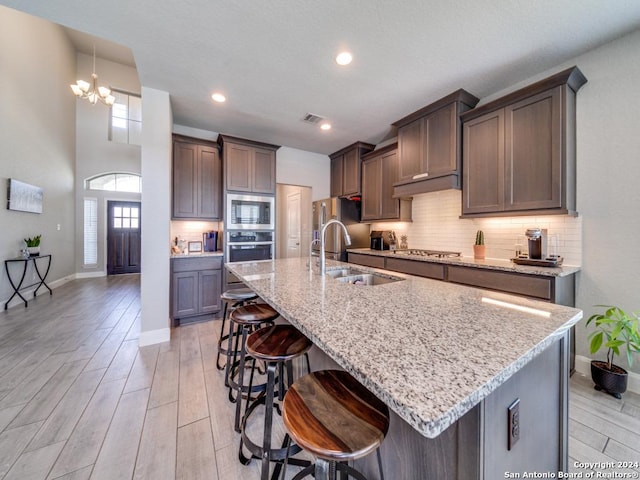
210, 286
389, 206
185, 171
209, 183
483, 164
410, 142
185, 294
336, 175
351, 172
533, 167
440, 133
239, 167
264, 171
371, 192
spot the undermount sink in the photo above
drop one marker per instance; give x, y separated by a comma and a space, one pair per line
368, 279
343, 272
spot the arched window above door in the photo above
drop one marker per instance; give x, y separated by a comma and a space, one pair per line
115, 182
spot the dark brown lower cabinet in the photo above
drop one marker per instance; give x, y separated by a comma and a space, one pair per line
196, 285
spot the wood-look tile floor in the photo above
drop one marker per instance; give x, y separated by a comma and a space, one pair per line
79, 399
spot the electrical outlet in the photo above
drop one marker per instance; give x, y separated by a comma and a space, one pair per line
513, 423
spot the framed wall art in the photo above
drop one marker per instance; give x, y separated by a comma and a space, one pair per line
23, 197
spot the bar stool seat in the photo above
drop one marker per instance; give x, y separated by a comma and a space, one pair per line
332, 416
247, 318
231, 299
277, 345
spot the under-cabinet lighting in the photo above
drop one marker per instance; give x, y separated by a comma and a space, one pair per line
513, 306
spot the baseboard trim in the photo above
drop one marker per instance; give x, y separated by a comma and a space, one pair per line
90, 274
152, 337
583, 366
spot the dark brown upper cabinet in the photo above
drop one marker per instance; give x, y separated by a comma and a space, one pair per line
197, 179
249, 166
429, 146
346, 165
379, 173
519, 151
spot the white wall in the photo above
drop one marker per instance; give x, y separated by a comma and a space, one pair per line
96, 154
37, 137
307, 169
608, 180
156, 214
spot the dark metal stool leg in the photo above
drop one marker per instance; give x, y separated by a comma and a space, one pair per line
268, 421
221, 338
240, 379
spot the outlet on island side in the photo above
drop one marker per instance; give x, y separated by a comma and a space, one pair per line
513, 423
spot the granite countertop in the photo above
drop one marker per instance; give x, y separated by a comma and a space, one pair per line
487, 264
430, 350
197, 255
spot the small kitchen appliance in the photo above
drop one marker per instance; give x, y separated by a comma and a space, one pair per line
379, 240
538, 255
537, 240
210, 241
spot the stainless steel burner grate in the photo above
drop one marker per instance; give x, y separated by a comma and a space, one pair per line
430, 253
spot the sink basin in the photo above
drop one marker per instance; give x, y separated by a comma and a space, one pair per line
368, 279
343, 272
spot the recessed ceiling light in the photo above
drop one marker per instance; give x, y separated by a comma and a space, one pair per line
218, 97
344, 58
325, 126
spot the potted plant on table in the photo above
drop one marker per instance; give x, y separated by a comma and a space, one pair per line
479, 247
33, 245
614, 329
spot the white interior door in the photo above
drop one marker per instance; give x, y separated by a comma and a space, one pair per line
293, 225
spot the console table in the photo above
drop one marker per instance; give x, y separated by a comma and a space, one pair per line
17, 286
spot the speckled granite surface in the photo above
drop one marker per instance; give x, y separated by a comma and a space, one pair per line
197, 255
430, 350
488, 264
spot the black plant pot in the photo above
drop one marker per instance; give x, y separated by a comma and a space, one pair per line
613, 381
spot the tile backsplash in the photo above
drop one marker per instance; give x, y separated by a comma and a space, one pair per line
191, 231
437, 225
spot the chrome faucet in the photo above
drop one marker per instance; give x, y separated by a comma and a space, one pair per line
347, 241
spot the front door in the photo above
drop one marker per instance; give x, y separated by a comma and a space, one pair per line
123, 237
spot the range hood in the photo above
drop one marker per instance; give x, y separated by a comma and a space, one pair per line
430, 146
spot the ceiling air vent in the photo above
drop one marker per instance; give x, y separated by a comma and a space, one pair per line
312, 118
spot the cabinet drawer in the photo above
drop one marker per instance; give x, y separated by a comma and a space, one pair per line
195, 263
366, 260
527, 285
415, 267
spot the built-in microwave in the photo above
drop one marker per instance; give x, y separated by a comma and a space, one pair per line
250, 212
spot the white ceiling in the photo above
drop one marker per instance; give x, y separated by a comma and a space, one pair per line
275, 60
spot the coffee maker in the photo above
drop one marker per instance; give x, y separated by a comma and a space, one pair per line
537, 240
210, 241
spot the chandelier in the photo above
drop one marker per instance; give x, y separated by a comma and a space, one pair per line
90, 90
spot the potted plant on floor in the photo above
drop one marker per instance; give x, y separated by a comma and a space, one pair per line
614, 329
479, 247
33, 245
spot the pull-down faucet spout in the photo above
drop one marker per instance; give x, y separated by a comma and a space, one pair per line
347, 241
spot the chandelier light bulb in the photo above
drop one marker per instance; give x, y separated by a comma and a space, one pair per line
91, 91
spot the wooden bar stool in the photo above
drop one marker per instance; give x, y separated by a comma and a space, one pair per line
232, 299
278, 346
332, 416
247, 319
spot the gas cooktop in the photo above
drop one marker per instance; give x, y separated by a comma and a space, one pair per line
429, 253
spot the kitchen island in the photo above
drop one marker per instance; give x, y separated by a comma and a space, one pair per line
447, 359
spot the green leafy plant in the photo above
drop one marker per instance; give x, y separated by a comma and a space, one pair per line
614, 329
33, 242
479, 237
